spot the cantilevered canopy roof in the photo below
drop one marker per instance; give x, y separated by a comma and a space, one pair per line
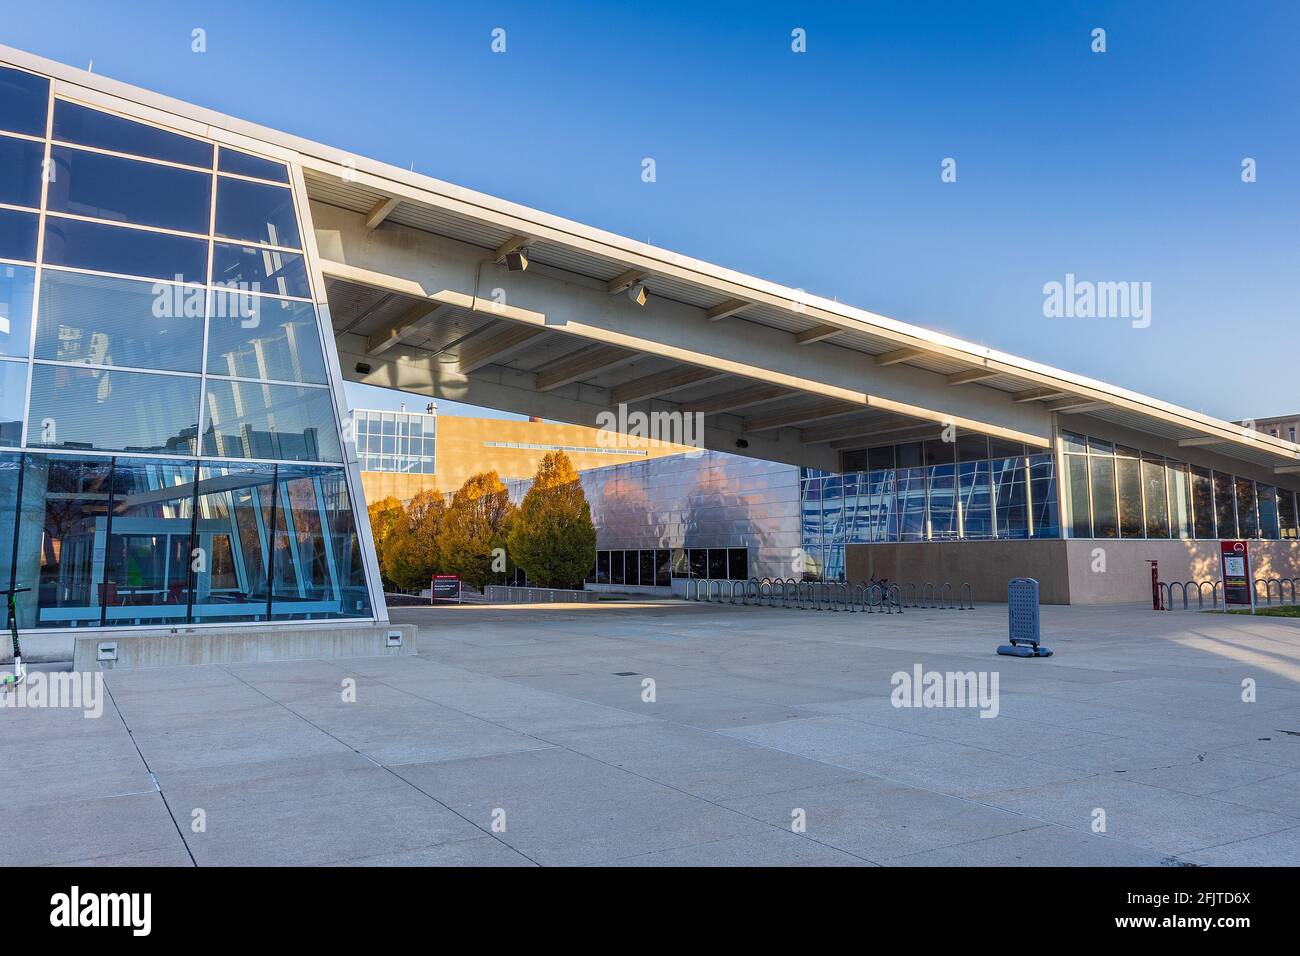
384, 312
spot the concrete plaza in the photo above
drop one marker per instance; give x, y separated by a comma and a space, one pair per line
520, 736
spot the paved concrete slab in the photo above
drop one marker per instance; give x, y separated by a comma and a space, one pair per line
757, 713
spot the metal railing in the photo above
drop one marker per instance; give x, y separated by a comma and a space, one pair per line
834, 596
504, 594
1286, 590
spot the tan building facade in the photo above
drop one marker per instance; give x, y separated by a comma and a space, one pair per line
513, 449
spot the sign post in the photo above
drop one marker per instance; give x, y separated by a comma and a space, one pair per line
1238, 589
444, 587
1157, 598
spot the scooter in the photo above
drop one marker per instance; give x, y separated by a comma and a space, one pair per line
16, 678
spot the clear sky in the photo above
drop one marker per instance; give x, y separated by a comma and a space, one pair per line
821, 170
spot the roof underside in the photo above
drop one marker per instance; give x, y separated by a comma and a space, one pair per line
358, 308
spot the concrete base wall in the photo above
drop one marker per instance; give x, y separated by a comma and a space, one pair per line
1071, 571
1116, 572
232, 646
986, 565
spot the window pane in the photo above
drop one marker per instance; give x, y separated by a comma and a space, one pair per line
1224, 511
699, 563
20, 171
1009, 493
1268, 516
234, 528
24, 102
127, 190
972, 448
242, 164
880, 459
647, 562
1247, 524
13, 398
80, 124
909, 455
940, 452
256, 213
616, 567
1129, 472
663, 576
11, 465
1157, 506
717, 563
602, 567
738, 564
16, 286
911, 503
317, 570
1076, 498
62, 540
257, 337
943, 502
882, 519
1286, 508
1180, 501
259, 270
132, 252
125, 322
288, 422
1202, 489
147, 562
1074, 443
113, 410
18, 235
1105, 517
1042, 495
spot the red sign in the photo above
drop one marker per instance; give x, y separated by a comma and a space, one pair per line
1238, 589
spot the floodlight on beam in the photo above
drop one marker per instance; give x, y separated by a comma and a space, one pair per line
514, 253
637, 293
622, 282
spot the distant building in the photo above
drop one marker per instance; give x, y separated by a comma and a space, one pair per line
1283, 426
403, 453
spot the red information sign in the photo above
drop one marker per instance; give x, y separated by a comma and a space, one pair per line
1234, 559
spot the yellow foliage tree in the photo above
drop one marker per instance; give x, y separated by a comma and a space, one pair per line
410, 554
476, 525
384, 515
553, 538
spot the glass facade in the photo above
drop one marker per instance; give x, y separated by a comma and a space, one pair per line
173, 447
657, 567
1115, 491
970, 489
396, 441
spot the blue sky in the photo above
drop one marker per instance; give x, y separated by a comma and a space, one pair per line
821, 170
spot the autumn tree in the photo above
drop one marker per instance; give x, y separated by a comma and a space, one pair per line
476, 524
553, 538
384, 515
410, 554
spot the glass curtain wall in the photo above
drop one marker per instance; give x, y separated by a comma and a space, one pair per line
159, 339
1138, 494
971, 489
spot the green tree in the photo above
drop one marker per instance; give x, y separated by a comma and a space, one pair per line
410, 554
553, 538
476, 524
